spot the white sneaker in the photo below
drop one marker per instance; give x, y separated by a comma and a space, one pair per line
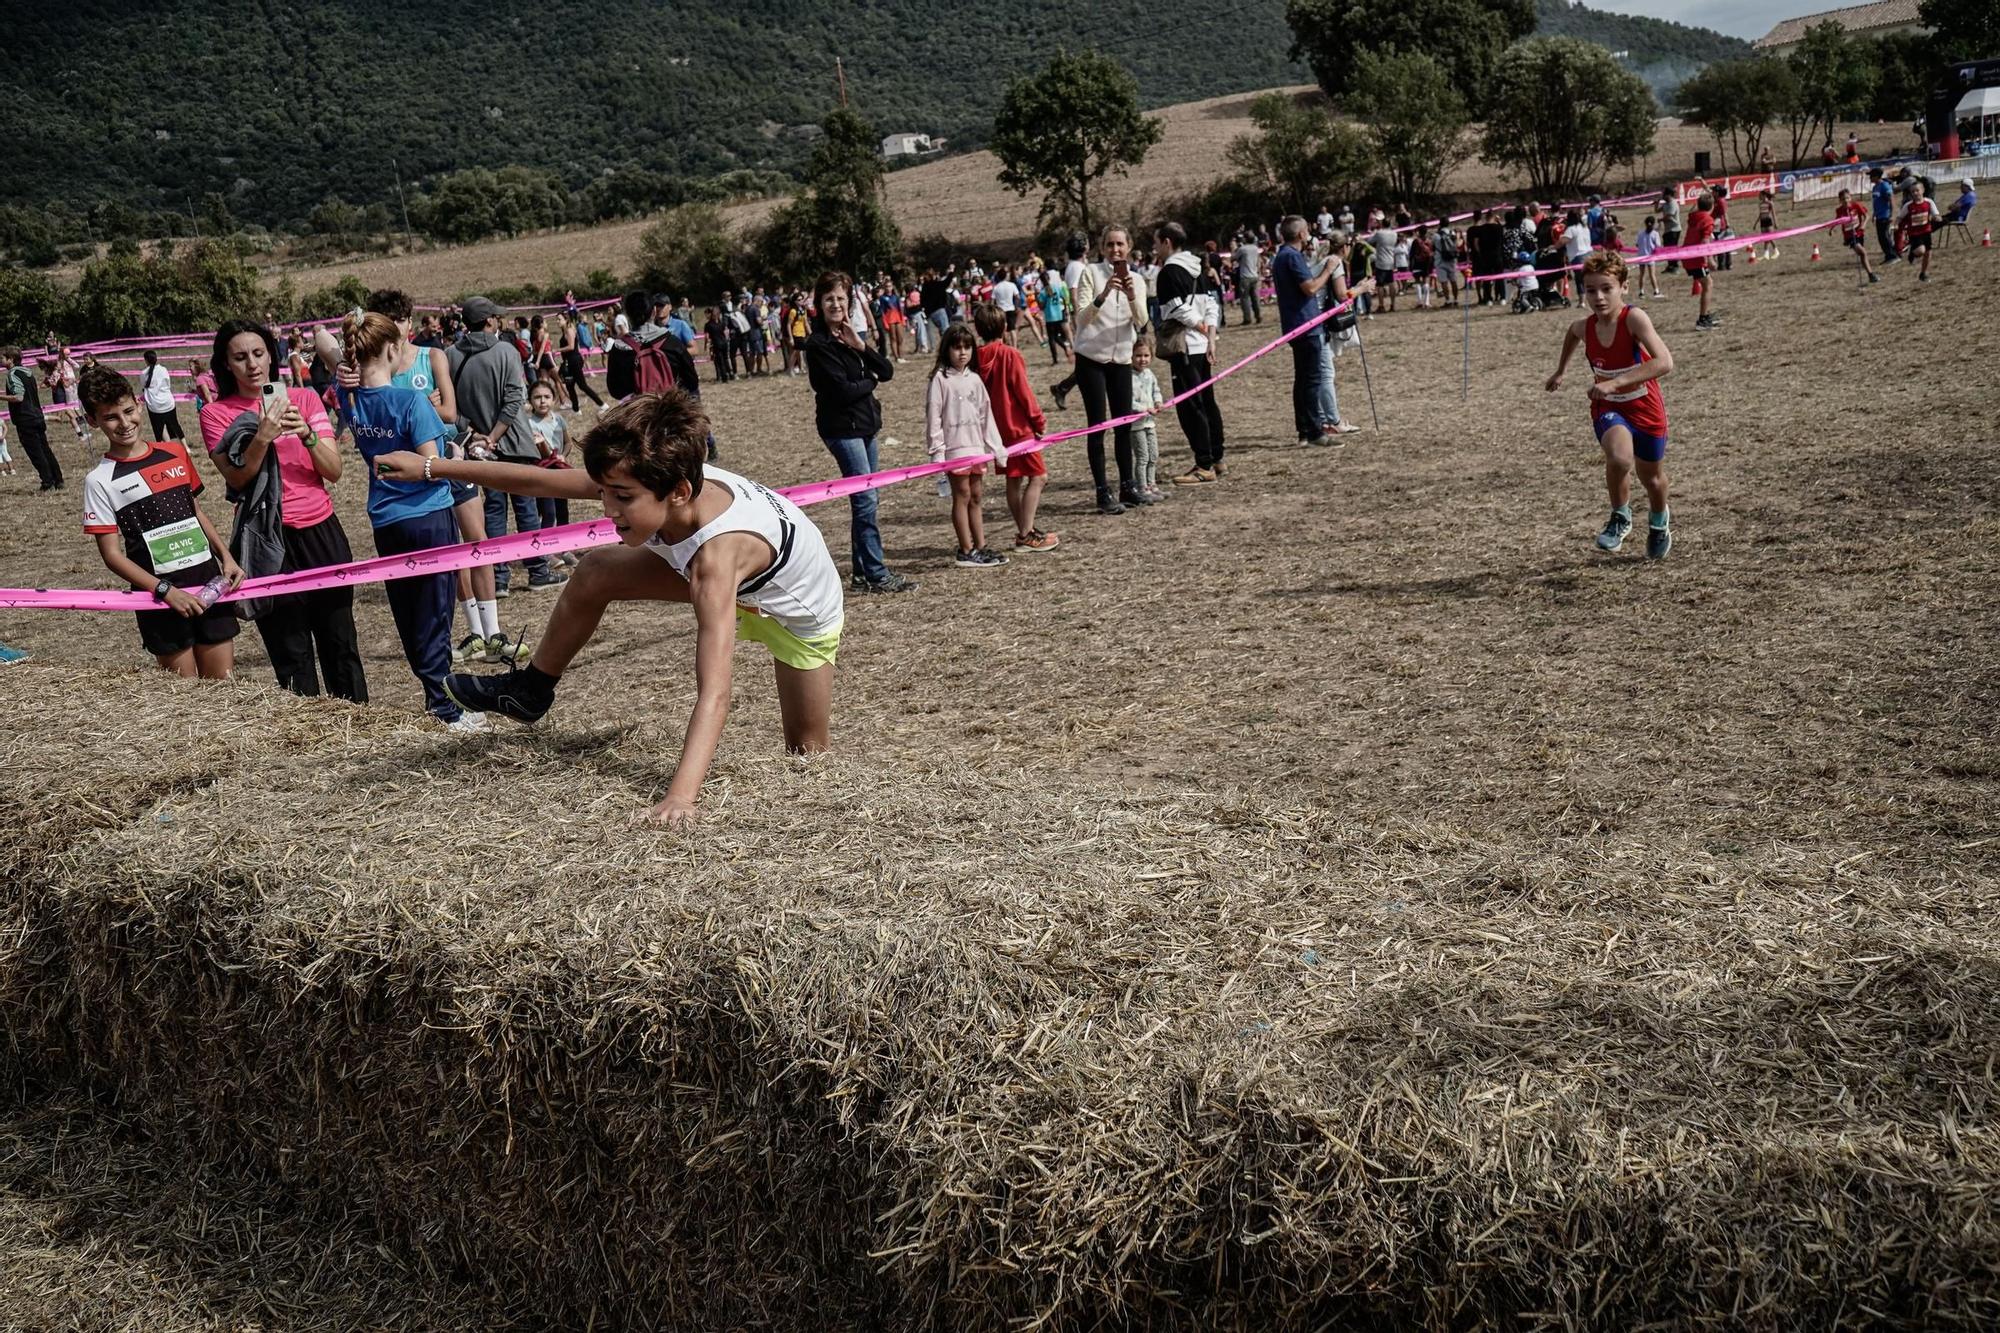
468, 724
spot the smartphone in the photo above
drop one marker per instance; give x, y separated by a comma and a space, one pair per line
274, 401
1120, 267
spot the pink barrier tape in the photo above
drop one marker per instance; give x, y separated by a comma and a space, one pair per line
817, 491
439, 560
78, 407
551, 305
1625, 201
1679, 253
575, 536
163, 341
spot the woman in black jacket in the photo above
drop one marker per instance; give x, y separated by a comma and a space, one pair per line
844, 371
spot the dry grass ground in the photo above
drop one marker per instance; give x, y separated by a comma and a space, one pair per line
959, 197
1337, 894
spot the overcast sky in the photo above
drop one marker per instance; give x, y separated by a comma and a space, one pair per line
1739, 18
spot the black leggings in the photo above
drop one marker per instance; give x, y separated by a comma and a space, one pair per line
1058, 331
1200, 418
1107, 393
303, 626
574, 379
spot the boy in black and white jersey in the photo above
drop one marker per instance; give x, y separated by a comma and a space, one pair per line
139, 503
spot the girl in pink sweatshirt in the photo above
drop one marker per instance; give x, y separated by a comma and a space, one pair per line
958, 424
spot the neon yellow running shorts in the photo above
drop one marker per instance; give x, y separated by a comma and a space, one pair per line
795, 652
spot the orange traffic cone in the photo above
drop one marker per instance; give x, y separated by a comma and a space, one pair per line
1815, 253
1986, 237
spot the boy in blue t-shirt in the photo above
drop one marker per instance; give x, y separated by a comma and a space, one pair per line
409, 517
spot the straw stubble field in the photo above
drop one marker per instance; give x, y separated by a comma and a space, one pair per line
1336, 896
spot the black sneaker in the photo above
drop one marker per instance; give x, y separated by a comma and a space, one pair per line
552, 579
1061, 395
888, 583
1106, 504
1659, 541
514, 695
1132, 497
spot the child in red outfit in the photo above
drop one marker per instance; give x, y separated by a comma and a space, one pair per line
1852, 215
1627, 409
1020, 418
1701, 228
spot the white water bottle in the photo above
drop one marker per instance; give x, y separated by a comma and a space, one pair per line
944, 486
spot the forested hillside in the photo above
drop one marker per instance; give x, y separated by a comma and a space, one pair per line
267, 110
278, 106
1661, 53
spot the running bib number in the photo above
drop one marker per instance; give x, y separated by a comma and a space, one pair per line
1630, 395
176, 546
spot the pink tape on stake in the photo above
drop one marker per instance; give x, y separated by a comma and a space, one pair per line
438, 560
835, 488
1678, 253
575, 536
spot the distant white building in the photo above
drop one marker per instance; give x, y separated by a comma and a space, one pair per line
910, 145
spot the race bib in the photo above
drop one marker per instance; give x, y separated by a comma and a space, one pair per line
1630, 395
176, 546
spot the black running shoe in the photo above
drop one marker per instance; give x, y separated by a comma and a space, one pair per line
516, 695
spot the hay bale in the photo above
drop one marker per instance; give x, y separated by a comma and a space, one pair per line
957, 1049
100, 1234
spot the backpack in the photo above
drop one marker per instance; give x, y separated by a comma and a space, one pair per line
663, 364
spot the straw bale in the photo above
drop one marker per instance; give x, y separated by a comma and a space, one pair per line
923, 1046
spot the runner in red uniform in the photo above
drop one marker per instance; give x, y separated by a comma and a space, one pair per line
1920, 219
1701, 228
1852, 215
1627, 409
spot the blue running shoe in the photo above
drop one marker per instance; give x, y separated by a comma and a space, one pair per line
1659, 541
9, 656
1615, 529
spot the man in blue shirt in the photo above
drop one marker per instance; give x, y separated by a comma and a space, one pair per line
1883, 198
1292, 275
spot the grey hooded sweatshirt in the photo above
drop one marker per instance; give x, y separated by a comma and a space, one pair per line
487, 377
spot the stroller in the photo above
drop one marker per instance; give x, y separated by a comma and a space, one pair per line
1539, 297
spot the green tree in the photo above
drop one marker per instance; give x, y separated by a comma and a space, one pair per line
840, 220
1065, 128
688, 252
216, 219
1962, 29
26, 235
1299, 157
1736, 101
1563, 112
30, 305
1466, 37
129, 294
1836, 77
1906, 66
1416, 120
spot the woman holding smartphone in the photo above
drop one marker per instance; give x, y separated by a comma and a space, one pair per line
1110, 311
309, 636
